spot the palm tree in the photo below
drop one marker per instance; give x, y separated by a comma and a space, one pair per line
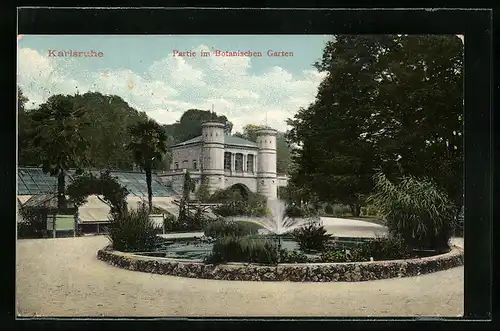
59, 139
148, 146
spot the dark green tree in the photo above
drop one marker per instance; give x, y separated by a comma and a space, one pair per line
188, 187
58, 137
189, 125
333, 157
148, 145
389, 102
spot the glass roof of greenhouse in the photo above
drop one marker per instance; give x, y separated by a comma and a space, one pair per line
32, 181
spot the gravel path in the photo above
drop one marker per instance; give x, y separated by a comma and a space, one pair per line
62, 277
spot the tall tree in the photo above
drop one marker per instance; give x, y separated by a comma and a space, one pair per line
389, 101
58, 137
283, 150
189, 125
334, 159
148, 146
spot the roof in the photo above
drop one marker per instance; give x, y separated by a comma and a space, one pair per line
33, 181
228, 140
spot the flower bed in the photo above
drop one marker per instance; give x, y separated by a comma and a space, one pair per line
307, 272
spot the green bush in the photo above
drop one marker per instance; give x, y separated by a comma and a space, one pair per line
293, 257
329, 210
33, 223
383, 248
222, 228
417, 210
133, 231
311, 237
334, 256
244, 249
337, 210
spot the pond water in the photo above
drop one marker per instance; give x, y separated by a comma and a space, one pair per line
197, 249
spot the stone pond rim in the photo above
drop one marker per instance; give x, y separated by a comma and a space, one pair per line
296, 272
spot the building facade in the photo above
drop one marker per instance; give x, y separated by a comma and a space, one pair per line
225, 161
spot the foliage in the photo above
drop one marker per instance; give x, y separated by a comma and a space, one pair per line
383, 248
293, 257
337, 210
133, 231
187, 188
402, 113
416, 209
58, 139
234, 204
335, 256
244, 249
222, 228
283, 151
148, 146
189, 125
32, 222
108, 117
170, 223
203, 191
311, 237
87, 184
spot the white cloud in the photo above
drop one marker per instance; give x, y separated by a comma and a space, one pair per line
174, 84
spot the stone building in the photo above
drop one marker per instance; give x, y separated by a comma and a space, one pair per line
226, 161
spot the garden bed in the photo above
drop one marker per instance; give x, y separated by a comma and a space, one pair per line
301, 272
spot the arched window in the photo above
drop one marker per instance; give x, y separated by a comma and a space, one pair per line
176, 166
195, 165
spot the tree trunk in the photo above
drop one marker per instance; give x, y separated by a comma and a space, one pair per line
150, 191
355, 210
61, 191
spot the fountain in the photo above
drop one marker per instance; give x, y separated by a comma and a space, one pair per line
277, 222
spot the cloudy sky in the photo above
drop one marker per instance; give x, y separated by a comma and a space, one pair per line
144, 72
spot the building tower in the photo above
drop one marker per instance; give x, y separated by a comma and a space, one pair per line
212, 154
267, 181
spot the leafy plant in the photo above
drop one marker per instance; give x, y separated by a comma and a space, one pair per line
244, 249
32, 222
334, 256
148, 146
382, 248
311, 237
293, 257
133, 231
221, 228
416, 210
112, 191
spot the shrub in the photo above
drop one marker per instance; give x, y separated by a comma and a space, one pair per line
311, 237
338, 210
293, 257
244, 249
329, 210
32, 223
171, 223
222, 228
334, 256
132, 231
383, 248
417, 210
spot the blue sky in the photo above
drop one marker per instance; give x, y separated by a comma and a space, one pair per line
144, 72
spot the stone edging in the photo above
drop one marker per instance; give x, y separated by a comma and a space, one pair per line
306, 272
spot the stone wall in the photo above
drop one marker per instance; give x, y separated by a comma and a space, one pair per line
311, 272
